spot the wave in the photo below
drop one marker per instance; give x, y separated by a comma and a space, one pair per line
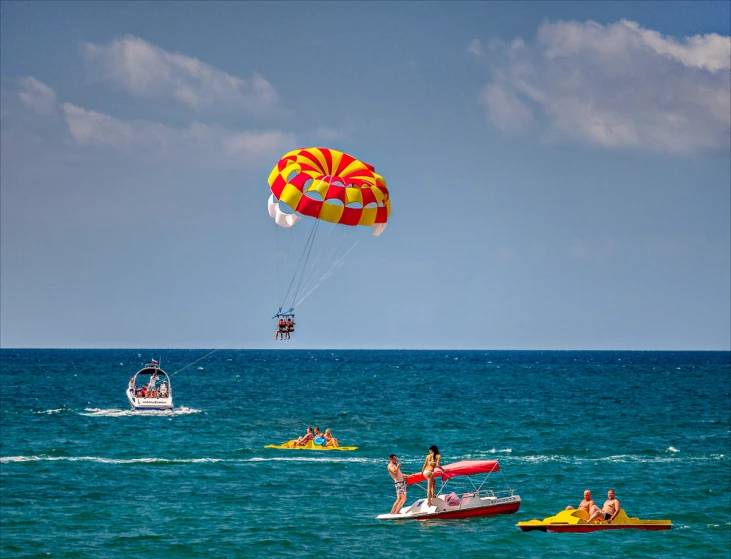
114, 412
619, 459
622, 458
159, 460
9, 459
672, 449
481, 455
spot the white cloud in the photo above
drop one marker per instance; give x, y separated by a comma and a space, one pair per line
508, 112
37, 96
475, 47
146, 70
617, 85
198, 142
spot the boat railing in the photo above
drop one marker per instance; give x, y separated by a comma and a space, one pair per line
490, 494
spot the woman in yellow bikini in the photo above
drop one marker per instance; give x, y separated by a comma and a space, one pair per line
430, 464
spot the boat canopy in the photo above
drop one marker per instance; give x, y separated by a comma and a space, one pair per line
151, 371
463, 468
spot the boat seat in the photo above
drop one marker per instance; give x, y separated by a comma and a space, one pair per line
466, 498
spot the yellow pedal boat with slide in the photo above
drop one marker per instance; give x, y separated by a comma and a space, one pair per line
576, 521
310, 445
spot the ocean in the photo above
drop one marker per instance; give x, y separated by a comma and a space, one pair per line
81, 475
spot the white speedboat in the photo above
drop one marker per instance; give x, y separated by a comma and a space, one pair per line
475, 501
150, 389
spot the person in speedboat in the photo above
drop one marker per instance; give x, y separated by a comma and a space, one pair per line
586, 504
430, 464
608, 512
394, 470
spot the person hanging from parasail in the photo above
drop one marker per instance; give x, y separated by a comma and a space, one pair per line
290, 326
281, 328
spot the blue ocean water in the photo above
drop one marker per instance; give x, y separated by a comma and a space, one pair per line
83, 476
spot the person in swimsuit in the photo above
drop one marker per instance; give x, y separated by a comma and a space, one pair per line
608, 512
329, 439
290, 326
394, 470
586, 504
281, 329
431, 463
302, 441
319, 438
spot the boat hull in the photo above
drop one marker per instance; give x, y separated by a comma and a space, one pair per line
441, 511
149, 403
289, 445
586, 528
574, 521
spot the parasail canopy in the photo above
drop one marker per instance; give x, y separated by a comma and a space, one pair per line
328, 185
463, 468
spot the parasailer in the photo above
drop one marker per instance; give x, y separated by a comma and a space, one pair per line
324, 186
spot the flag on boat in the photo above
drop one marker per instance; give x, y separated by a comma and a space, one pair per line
155, 362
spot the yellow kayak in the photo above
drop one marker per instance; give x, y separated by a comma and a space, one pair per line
310, 445
575, 521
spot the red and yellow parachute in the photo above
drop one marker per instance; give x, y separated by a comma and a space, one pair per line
328, 185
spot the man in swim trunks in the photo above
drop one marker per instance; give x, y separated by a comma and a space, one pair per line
302, 441
609, 511
394, 470
586, 504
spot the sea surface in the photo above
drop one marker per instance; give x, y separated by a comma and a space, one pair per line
81, 475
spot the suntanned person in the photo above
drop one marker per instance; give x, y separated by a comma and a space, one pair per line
609, 511
394, 470
586, 504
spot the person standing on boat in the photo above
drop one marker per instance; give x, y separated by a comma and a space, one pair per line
610, 510
151, 386
394, 470
430, 464
586, 504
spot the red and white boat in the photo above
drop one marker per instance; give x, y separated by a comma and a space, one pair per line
474, 501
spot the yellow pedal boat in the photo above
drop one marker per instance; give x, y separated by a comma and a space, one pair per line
575, 521
310, 445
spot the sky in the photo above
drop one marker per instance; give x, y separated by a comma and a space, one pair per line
560, 173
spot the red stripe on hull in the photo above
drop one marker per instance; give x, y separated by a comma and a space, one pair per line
508, 508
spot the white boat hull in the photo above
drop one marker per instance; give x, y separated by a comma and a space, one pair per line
469, 506
149, 403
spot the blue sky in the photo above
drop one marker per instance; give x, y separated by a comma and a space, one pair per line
559, 172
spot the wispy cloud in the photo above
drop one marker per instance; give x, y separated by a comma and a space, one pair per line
146, 70
616, 85
475, 47
37, 96
151, 140
199, 142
